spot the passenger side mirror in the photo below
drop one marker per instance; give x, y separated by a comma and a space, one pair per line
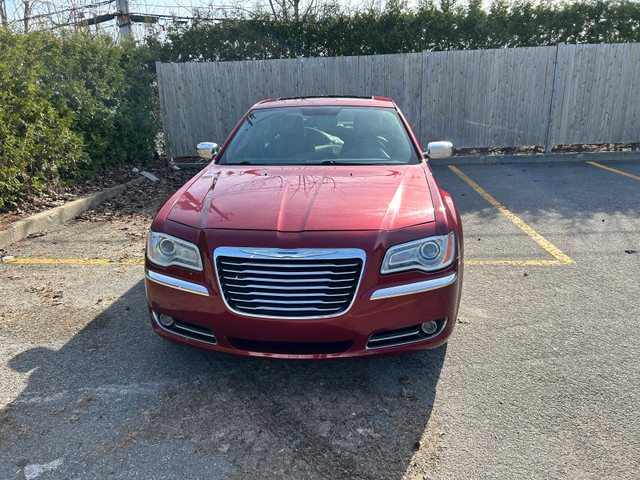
439, 149
207, 150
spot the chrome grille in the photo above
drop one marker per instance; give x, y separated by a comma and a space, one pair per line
289, 283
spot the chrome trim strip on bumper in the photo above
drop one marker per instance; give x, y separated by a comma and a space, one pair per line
383, 338
212, 340
173, 282
400, 335
411, 288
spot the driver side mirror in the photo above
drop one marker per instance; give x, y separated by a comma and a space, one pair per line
207, 150
439, 149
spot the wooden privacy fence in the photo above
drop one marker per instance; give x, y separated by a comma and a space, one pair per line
567, 94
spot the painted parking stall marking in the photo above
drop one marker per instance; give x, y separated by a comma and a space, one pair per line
560, 258
104, 261
523, 263
71, 261
619, 172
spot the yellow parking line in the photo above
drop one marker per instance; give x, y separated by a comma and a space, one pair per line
102, 261
635, 177
72, 261
539, 239
514, 262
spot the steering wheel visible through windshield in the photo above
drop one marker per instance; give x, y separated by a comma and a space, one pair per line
321, 136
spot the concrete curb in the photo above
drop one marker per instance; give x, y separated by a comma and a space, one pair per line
57, 216
539, 158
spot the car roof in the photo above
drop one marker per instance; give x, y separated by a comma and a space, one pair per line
326, 101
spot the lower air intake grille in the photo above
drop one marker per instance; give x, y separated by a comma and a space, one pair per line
289, 283
403, 336
188, 330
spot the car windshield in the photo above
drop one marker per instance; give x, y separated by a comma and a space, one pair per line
321, 136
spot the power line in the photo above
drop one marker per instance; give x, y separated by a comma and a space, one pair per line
66, 10
54, 15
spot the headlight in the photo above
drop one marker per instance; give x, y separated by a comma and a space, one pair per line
428, 254
165, 250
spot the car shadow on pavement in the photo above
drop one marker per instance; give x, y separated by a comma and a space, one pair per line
117, 401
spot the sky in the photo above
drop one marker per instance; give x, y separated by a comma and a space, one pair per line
65, 11
72, 11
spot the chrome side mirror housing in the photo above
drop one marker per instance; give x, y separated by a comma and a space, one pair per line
207, 150
439, 149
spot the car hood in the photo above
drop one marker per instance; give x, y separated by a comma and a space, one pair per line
306, 198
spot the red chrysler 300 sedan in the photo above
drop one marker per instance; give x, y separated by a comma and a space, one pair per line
318, 231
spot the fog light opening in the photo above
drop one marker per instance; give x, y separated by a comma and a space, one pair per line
429, 327
165, 320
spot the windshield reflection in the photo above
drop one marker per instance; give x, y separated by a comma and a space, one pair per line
321, 136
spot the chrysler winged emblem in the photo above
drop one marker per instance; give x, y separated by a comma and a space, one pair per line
281, 253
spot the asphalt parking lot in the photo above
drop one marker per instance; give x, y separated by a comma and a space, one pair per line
540, 379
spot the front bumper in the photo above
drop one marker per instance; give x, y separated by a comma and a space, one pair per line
391, 312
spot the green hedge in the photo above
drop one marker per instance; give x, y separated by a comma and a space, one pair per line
442, 25
70, 105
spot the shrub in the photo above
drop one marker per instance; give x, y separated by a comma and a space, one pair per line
70, 105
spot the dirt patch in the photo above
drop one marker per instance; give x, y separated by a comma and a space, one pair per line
540, 149
134, 200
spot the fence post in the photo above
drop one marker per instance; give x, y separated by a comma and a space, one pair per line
553, 104
163, 109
